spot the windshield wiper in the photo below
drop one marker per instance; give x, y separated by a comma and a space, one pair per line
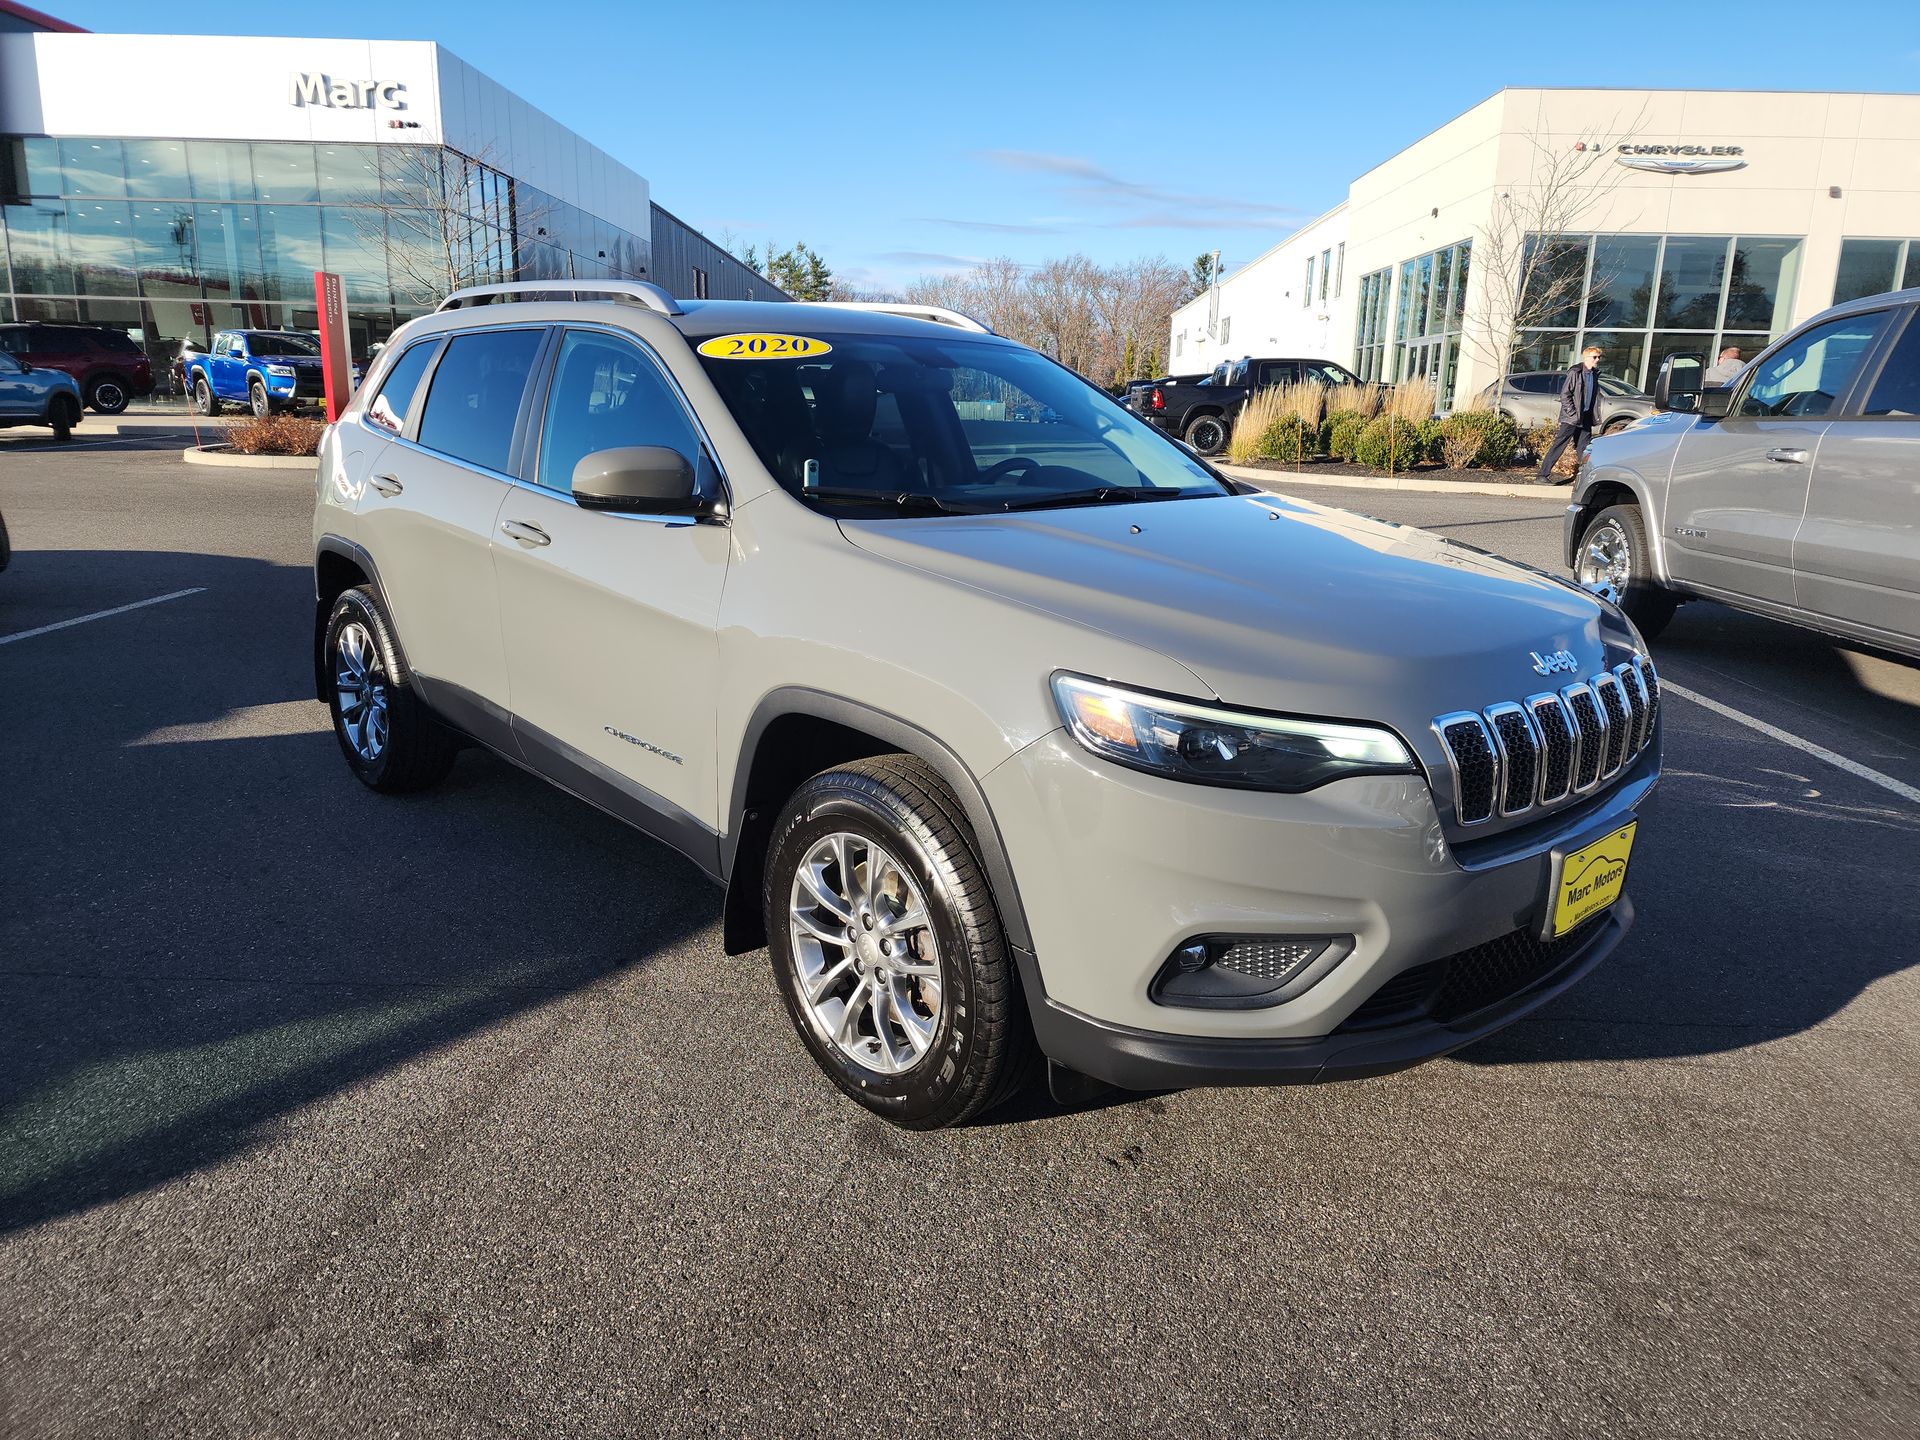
1105, 495
903, 501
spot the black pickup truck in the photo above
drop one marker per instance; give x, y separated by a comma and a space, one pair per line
1202, 413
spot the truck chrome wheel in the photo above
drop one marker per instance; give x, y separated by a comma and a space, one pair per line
865, 959
1606, 560
360, 690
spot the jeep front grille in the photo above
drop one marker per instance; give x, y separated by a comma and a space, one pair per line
1515, 757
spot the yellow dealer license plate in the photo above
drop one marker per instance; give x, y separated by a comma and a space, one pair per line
1588, 880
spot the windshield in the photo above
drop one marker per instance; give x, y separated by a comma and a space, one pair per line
945, 425
1616, 387
274, 342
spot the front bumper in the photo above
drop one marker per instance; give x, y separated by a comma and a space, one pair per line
1147, 1060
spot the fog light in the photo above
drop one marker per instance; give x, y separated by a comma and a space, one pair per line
1245, 972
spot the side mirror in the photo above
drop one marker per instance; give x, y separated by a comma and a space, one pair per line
1678, 385
640, 480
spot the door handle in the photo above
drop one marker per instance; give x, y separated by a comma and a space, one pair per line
386, 485
526, 534
1788, 457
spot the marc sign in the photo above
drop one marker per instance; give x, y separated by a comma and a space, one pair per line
312, 87
1682, 159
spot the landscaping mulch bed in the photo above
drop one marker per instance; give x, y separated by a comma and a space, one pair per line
1510, 475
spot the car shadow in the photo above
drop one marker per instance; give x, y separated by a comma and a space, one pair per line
210, 924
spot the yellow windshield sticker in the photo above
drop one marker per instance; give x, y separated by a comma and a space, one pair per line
758, 346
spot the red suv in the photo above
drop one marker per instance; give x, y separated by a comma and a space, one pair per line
110, 367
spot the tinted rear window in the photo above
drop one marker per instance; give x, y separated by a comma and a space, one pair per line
475, 395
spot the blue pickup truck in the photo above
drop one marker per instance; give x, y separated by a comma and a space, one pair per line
265, 370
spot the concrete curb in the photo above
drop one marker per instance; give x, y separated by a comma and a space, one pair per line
1270, 479
221, 456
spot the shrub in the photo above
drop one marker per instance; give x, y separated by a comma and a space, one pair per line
1250, 426
1412, 400
1289, 439
1340, 432
1477, 437
1362, 400
1430, 431
276, 435
1535, 439
1388, 443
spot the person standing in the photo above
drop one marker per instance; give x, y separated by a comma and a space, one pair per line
1726, 369
1579, 407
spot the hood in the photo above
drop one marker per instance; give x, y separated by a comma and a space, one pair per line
1278, 604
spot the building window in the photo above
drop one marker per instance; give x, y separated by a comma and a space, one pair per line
1326, 269
1868, 267
1641, 298
1339, 269
1426, 330
1180, 342
1370, 327
1226, 328
699, 283
1306, 295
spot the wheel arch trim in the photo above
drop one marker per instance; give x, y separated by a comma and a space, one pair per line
901, 734
357, 556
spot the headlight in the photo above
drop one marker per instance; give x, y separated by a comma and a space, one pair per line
1187, 741
286, 370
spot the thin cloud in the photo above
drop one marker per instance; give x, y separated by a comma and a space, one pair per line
929, 257
994, 227
1158, 207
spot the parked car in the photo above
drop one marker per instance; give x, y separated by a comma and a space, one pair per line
1202, 413
1002, 736
265, 370
31, 395
1789, 493
110, 368
1534, 396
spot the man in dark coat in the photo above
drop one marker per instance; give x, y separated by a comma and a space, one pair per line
1579, 407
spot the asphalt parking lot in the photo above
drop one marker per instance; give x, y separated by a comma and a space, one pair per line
328, 1114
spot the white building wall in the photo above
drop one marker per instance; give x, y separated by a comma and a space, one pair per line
1264, 307
239, 88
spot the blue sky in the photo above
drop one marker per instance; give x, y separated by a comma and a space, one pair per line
905, 137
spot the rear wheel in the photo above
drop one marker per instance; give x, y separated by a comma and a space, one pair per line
390, 739
1614, 561
108, 394
1208, 435
888, 948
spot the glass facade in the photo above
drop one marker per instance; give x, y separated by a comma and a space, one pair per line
1427, 319
175, 239
1868, 267
1642, 297
1370, 327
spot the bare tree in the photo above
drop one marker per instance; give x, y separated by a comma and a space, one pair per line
1531, 255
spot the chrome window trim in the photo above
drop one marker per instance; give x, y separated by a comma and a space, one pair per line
1471, 717
1548, 697
1504, 760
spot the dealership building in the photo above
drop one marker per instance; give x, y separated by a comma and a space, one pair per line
172, 207
1693, 219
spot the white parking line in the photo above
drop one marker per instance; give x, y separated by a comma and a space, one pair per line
98, 615
1819, 752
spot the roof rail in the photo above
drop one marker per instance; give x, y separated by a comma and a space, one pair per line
938, 314
652, 296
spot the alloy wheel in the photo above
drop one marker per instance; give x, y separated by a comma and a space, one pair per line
1606, 560
866, 962
360, 690
108, 396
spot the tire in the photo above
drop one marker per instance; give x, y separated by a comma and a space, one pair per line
975, 1050
1620, 532
1618, 422
203, 401
1208, 435
6, 545
108, 394
393, 743
63, 413
258, 399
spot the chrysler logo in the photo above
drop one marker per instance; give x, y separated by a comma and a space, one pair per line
1682, 159
1557, 661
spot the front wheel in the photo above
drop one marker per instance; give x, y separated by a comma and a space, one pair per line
258, 399
1614, 560
888, 948
388, 736
203, 402
1208, 435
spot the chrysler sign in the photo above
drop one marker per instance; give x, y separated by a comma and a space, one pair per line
1682, 159
308, 87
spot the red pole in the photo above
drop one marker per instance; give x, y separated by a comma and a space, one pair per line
335, 364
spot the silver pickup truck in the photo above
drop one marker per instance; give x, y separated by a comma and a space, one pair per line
1792, 492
